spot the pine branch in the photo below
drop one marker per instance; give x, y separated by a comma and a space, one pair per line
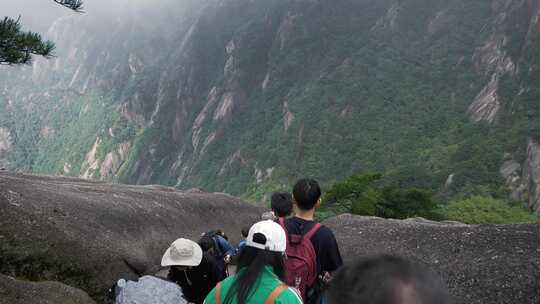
17, 47
76, 5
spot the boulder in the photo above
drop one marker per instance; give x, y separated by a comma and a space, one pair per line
88, 234
14, 291
531, 175
481, 264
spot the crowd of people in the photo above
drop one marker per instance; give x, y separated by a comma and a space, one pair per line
289, 258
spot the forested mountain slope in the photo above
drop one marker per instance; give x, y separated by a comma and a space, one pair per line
245, 96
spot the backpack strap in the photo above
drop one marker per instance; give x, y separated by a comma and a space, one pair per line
281, 221
277, 291
218, 293
312, 231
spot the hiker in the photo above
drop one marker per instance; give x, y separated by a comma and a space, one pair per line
216, 244
242, 244
197, 272
385, 279
312, 250
260, 271
281, 204
222, 234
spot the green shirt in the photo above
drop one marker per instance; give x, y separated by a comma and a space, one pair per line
264, 286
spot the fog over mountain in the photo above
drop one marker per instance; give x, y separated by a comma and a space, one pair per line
399, 108
246, 96
38, 15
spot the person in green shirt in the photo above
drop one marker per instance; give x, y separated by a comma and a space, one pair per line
261, 271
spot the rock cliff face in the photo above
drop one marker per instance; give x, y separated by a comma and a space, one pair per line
531, 175
481, 264
89, 234
523, 180
299, 87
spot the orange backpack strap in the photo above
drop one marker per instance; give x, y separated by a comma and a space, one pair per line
273, 296
218, 293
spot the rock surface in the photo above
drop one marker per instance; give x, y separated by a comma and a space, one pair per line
13, 291
481, 264
531, 175
89, 234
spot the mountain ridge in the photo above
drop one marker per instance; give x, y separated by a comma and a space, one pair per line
246, 96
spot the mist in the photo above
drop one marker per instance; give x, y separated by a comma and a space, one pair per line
38, 15
35, 15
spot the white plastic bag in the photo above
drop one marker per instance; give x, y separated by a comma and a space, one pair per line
148, 290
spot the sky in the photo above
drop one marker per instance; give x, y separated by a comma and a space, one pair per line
38, 15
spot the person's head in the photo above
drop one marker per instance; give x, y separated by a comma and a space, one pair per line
306, 194
386, 279
206, 243
265, 246
182, 253
245, 232
281, 203
222, 234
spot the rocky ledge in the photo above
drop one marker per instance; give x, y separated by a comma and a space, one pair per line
88, 234
14, 291
482, 264
59, 232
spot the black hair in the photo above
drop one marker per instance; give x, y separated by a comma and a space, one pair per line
386, 279
174, 274
281, 203
306, 193
245, 231
250, 267
222, 234
206, 243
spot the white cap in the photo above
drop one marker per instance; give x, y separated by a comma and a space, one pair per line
182, 252
274, 233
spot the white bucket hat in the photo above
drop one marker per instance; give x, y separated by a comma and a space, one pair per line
182, 252
275, 236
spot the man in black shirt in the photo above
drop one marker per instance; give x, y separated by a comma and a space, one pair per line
307, 197
198, 281
197, 272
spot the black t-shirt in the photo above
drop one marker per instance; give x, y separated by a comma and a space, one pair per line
324, 243
197, 282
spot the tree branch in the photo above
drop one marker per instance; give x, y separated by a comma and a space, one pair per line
76, 5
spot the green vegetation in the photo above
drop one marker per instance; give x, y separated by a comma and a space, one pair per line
363, 194
366, 194
487, 210
366, 100
63, 137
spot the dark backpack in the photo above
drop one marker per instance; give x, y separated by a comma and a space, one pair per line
301, 261
209, 244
